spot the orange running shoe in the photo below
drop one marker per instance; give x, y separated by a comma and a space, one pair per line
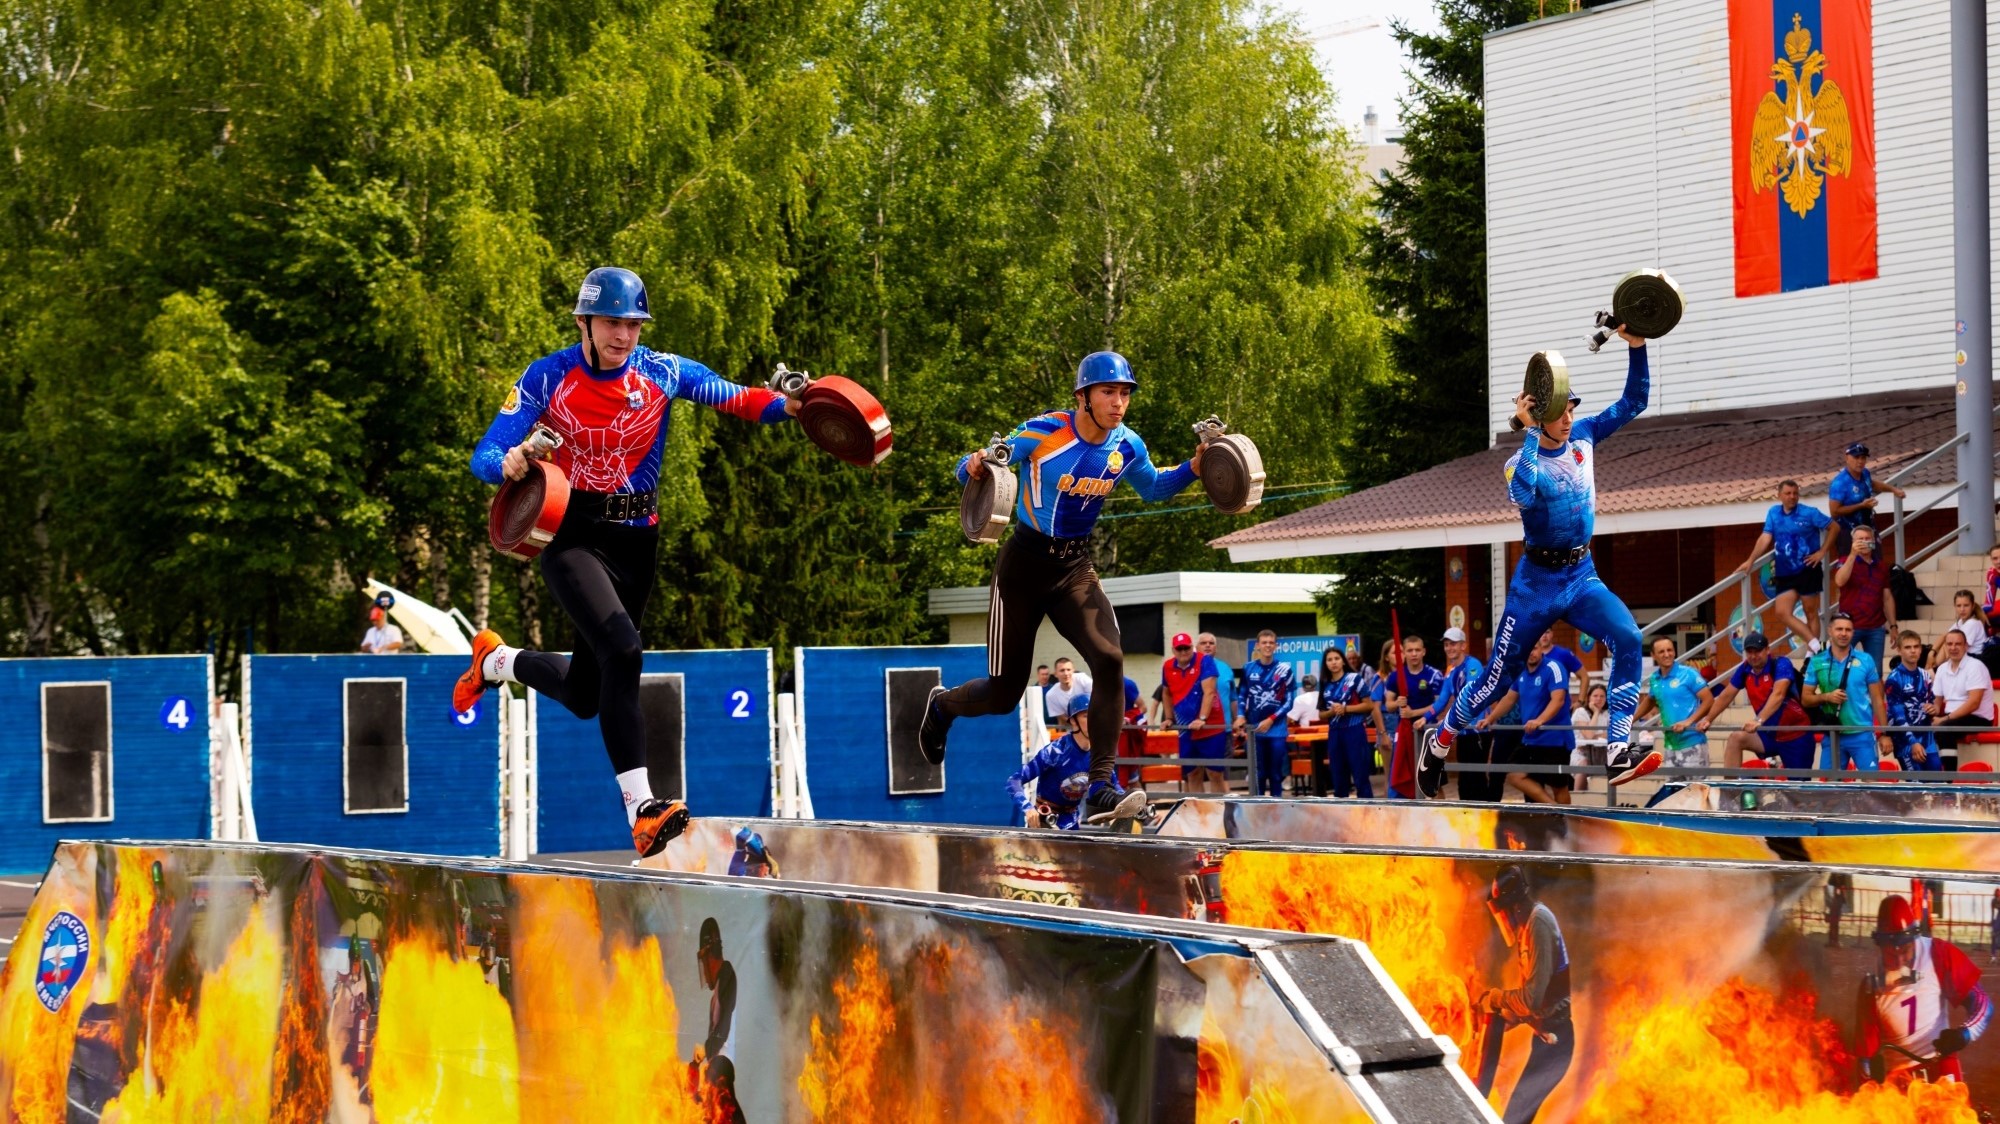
465, 693
659, 822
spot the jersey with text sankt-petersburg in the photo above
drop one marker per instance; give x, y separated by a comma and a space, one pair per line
1064, 479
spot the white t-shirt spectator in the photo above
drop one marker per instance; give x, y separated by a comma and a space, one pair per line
382, 639
1591, 729
1305, 708
1955, 684
1055, 699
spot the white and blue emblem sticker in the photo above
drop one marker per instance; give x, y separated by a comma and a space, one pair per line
65, 954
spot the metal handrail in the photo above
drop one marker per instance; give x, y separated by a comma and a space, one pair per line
1924, 555
1900, 520
1673, 614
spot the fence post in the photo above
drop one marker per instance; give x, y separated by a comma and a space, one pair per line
788, 780
242, 817
518, 812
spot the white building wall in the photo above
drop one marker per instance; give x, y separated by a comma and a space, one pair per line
1608, 149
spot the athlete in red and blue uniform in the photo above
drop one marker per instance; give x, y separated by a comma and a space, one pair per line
1905, 1015
1070, 460
1553, 481
607, 398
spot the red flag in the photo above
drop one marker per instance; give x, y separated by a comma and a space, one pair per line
1802, 125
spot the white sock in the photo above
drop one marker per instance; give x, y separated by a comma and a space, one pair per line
499, 665
637, 790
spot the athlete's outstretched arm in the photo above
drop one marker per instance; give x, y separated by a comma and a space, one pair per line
1025, 439
751, 403
1017, 783
511, 425
1638, 390
1152, 484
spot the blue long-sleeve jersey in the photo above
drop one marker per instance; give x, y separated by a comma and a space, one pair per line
1065, 478
1556, 489
1457, 679
614, 427
1265, 691
1060, 773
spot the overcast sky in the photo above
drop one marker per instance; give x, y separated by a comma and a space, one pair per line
1364, 64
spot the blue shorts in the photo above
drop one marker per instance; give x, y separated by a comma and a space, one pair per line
1796, 752
1215, 745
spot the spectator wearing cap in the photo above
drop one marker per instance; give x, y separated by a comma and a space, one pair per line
1801, 535
1460, 672
1850, 495
1865, 596
383, 638
1776, 717
1194, 703
1959, 688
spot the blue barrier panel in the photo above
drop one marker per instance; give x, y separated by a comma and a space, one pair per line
300, 712
724, 751
131, 751
844, 693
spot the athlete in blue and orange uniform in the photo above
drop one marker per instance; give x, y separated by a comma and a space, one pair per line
1071, 460
607, 397
1553, 481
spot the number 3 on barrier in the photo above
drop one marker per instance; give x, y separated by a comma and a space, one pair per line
739, 703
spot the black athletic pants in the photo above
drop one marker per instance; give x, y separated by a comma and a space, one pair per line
1036, 577
601, 574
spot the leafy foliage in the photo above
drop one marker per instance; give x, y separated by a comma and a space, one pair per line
270, 268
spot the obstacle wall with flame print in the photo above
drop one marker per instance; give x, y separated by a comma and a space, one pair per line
1698, 990
205, 982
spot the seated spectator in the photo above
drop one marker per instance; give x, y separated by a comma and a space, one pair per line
1992, 581
1863, 581
1907, 690
1772, 732
1850, 496
1800, 534
1589, 724
1682, 698
383, 637
1960, 685
1969, 620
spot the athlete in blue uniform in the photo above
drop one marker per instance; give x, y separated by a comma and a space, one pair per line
1263, 698
607, 398
1070, 461
1060, 774
1552, 480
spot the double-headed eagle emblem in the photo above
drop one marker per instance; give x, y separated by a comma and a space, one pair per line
1802, 137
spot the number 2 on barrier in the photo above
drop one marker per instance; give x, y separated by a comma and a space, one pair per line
739, 704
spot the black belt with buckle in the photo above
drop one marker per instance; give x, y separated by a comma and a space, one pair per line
1053, 547
614, 507
1557, 559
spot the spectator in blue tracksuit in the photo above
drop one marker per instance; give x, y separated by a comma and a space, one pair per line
1263, 695
1060, 774
1344, 705
1907, 692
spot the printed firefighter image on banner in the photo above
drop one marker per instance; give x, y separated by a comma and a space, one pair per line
1578, 988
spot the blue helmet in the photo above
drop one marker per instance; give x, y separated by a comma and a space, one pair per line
614, 293
1077, 705
1102, 367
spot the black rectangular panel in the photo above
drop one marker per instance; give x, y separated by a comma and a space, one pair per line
909, 690
663, 705
76, 750
376, 755
1142, 629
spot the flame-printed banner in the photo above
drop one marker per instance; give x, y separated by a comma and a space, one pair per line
1579, 988
233, 985
1802, 114
1955, 803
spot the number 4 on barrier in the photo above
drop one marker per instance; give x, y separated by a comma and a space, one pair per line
174, 713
